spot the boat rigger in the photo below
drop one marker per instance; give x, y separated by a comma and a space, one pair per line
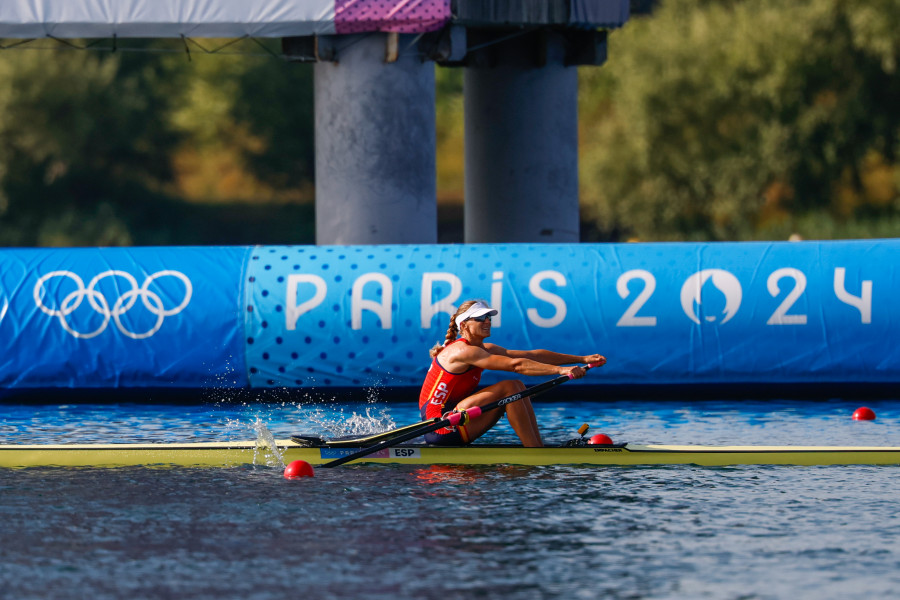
230, 454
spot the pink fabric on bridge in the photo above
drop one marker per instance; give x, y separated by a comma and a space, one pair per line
401, 16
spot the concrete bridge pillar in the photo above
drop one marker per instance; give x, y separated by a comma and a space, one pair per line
521, 142
375, 123
375, 141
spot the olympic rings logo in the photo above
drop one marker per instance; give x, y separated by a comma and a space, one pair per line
151, 301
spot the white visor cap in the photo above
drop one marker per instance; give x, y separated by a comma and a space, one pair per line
476, 310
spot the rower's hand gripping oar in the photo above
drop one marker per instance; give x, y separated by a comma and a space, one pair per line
458, 418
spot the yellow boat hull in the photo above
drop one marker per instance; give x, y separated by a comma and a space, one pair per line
229, 454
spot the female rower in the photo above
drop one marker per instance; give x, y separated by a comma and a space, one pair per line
456, 369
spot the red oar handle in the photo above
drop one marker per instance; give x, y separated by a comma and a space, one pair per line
464, 416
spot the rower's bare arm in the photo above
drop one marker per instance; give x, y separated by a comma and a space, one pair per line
501, 360
549, 357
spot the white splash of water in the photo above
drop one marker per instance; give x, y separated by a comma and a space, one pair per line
266, 450
318, 420
265, 444
318, 416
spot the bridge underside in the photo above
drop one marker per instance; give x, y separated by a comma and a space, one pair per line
375, 95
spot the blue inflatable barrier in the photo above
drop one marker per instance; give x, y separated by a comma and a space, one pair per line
138, 317
365, 316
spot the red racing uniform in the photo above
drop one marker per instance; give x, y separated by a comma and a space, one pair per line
440, 394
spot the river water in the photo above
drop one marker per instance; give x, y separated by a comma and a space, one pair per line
381, 531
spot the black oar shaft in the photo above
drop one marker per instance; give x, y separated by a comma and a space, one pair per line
368, 440
454, 419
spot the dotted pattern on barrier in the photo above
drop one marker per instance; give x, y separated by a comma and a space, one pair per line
324, 349
662, 313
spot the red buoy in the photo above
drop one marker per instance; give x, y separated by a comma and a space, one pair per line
298, 468
864, 413
600, 439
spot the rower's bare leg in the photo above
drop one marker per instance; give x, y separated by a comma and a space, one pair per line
520, 414
531, 416
521, 417
479, 426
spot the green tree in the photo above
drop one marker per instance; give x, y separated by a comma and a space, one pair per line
150, 147
746, 120
255, 111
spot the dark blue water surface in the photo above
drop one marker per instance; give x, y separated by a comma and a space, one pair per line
378, 531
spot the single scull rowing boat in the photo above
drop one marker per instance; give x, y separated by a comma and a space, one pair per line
389, 447
227, 454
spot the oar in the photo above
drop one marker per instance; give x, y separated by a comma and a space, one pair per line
454, 419
359, 441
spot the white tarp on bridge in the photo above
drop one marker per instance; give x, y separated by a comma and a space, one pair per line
215, 18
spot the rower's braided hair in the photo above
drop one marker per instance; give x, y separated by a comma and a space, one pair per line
453, 329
